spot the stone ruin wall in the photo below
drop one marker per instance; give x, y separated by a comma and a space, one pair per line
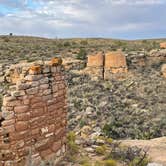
163, 70
115, 62
163, 45
33, 115
95, 65
105, 65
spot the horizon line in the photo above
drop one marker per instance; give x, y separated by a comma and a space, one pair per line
68, 38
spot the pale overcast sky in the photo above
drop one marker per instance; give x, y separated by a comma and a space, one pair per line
126, 19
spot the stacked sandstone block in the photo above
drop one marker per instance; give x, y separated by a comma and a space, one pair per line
115, 62
104, 66
33, 122
95, 65
163, 70
163, 45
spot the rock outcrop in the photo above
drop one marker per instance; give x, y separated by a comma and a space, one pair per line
33, 118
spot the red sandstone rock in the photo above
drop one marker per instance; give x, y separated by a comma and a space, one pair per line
21, 126
9, 129
45, 153
56, 146
23, 116
21, 109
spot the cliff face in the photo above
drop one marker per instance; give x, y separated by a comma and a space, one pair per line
33, 118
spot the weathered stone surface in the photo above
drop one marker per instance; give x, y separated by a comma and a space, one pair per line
21, 109
36, 69
101, 66
21, 126
163, 45
115, 61
163, 70
96, 60
29, 113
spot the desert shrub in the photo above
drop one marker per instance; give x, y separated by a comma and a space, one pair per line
115, 129
74, 43
59, 45
81, 55
137, 161
84, 42
109, 140
155, 45
72, 146
144, 41
6, 39
133, 156
86, 164
101, 150
118, 43
110, 162
82, 123
113, 48
1, 101
67, 44
85, 161
98, 163
71, 137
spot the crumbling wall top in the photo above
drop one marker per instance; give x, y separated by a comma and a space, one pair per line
95, 60
19, 71
115, 59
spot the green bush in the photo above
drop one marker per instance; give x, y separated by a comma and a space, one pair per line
67, 44
137, 161
101, 150
71, 137
81, 55
6, 39
84, 42
110, 162
109, 140
85, 161
73, 148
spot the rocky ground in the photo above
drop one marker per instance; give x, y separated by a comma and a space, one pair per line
132, 108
